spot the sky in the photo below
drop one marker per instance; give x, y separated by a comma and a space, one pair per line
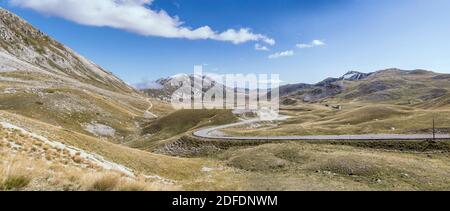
301, 40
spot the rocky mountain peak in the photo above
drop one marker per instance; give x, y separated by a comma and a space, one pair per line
25, 48
354, 76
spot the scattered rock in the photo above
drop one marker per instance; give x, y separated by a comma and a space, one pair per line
10, 91
100, 129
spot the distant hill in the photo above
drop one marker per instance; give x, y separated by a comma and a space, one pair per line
163, 89
390, 86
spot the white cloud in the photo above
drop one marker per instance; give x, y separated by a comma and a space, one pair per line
260, 47
269, 41
314, 43
135, 16
281, 54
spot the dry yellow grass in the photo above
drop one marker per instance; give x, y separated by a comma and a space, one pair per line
111, 181
100, 182
15, 175
28, 164
132, 185
303, 166
288, 166
185, 174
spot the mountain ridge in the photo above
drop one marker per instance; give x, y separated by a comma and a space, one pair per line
31, 47
381, 85
40, 78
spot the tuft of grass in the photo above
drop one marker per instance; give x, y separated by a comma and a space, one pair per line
131, 185
77, 159
102, 182
15, 182
111, 181
14, 177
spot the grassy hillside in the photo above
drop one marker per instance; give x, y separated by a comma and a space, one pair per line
74, 109
160, 171
399, 87
183, 120
387, 101
391, 86
180, 122
354, 118
29, 164
302, 166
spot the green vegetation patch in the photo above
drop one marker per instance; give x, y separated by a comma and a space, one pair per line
184, 120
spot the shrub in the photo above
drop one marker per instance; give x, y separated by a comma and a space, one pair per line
77, 159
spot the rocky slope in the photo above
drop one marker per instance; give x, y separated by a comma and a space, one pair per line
25, 48
164, 88
42, 79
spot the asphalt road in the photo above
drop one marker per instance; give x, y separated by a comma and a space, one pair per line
210, 133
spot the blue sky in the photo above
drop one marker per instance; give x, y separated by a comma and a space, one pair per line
362, 35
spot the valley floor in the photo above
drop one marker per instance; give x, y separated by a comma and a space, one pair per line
29, 164
68, 124
153, 142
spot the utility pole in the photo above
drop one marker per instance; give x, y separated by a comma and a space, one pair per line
434, 131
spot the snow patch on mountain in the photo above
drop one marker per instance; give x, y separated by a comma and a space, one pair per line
354, 76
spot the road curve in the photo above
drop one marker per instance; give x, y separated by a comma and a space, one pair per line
147, 113
210, 133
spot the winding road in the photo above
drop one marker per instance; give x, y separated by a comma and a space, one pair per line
211, 133
147, 113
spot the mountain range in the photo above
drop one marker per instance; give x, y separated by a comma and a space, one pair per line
68, 124
390, 85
